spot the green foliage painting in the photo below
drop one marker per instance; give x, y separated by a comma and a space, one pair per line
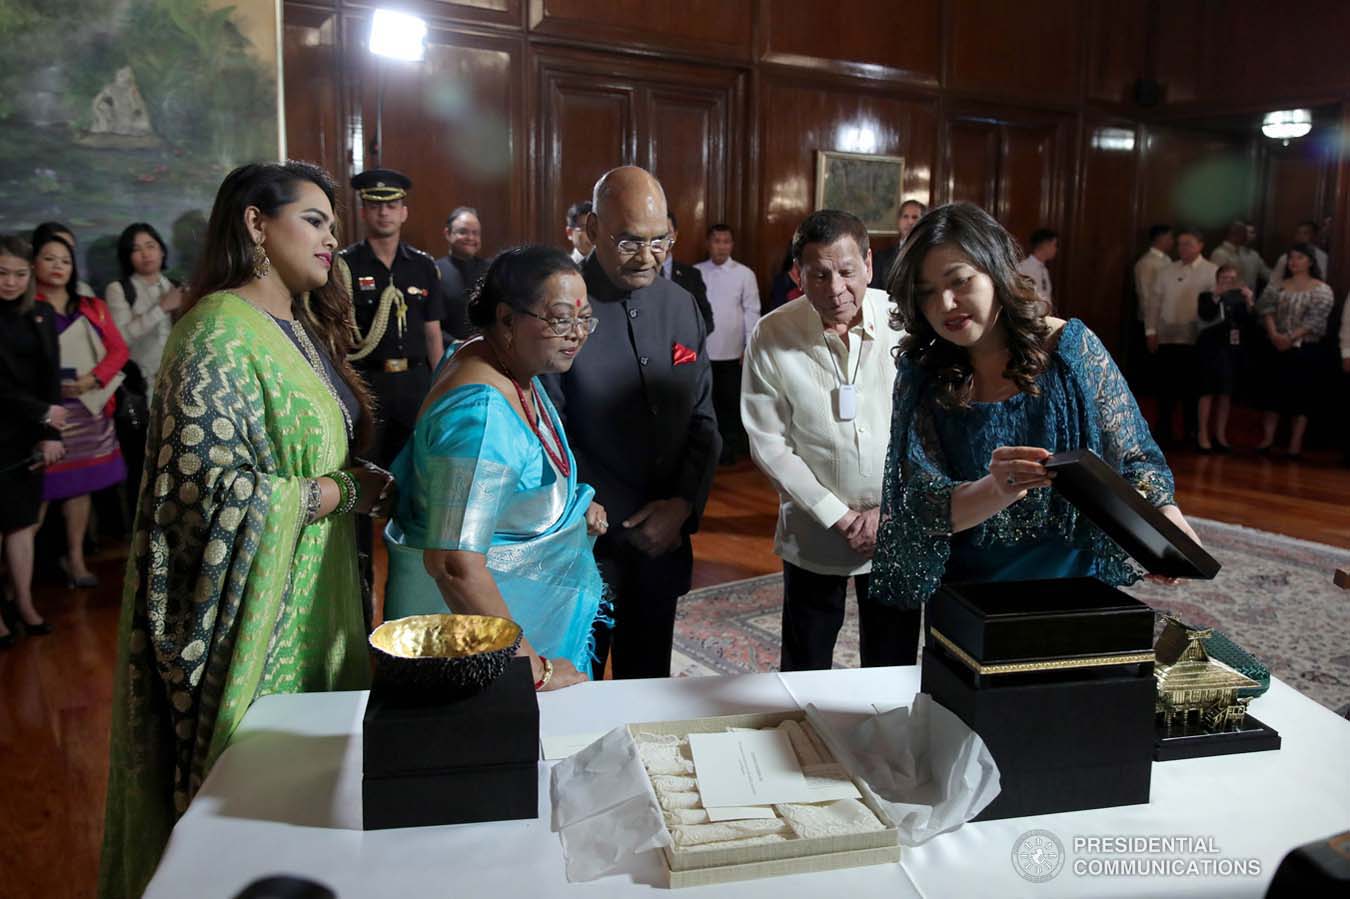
115, 111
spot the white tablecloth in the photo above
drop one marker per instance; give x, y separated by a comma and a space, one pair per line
285, 797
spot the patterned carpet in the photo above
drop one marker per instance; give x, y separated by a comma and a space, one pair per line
1274, 597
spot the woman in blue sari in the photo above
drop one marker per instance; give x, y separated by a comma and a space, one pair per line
491, 519
987, 388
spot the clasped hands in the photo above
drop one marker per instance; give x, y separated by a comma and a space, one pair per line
860, 530
658, 527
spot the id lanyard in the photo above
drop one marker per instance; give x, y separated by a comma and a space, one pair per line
845, 393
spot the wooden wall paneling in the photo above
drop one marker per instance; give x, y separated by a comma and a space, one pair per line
1338, 190
312, 87
800, 113
972, 156
1117, 36
697, 28
1104, 248
688, 149
1184, 49
597, 111
1295, 188
497, 13
855, 37
1197, 179
453, 123
1027, 171
589, 125
1244, 52
1023, 50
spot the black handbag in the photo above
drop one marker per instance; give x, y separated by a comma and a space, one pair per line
132, 412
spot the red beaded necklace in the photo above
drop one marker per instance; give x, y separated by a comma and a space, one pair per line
532, 416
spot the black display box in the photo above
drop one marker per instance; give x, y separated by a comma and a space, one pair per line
453, 762
1056, 676
1111, 502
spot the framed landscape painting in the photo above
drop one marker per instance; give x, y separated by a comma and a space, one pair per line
865, 185
121, 111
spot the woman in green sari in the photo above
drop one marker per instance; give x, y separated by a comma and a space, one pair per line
242, 580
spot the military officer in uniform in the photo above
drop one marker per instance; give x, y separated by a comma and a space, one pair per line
398, 304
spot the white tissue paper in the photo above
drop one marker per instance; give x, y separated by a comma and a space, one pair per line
925, 767
604, 808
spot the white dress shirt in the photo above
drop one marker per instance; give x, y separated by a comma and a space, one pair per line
1281, 270
1145, 273
577, 257
1251, 267
1345, 328
822, 467
734, 295
1036, 270
144, 325
1173, 313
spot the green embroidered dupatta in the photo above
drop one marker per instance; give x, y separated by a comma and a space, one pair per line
229, 596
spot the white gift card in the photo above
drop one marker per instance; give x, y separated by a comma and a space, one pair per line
755, 767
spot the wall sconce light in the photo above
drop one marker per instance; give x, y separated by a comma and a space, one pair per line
1287, 124
397, 35
1119, 139
393, 35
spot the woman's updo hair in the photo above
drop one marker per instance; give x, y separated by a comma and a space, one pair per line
516, 277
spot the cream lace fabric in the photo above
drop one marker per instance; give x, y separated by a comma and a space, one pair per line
670, 765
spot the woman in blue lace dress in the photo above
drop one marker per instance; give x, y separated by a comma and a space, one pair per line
987, 389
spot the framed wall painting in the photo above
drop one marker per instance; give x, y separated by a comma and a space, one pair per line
866, 185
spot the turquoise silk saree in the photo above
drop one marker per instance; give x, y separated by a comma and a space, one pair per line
475, 478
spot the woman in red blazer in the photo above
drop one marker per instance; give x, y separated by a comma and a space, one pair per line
93, 460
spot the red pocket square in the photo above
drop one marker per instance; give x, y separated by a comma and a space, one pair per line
682, 355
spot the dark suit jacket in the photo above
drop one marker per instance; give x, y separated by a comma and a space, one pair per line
26, 396
641, 427
691, 279
456, 282
881, 266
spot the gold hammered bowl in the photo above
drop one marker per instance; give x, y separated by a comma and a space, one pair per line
448, 655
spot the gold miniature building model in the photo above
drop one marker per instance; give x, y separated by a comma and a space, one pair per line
1192, 687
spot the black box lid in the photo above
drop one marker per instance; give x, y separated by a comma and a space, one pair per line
1112, 504
1012, 622
408, 734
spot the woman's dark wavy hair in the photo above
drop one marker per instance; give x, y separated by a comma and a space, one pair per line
227, 262
72, 294
1314, 270
126, 242
515, 277
14, 245
993, 251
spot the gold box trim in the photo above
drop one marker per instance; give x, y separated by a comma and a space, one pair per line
1133, 658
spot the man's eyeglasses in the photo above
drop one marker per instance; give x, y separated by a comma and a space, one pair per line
564, 326
630, 246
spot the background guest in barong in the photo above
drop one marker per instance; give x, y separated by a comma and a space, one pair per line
491, 518
242, 580
31, 416
92, 356
986, 390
